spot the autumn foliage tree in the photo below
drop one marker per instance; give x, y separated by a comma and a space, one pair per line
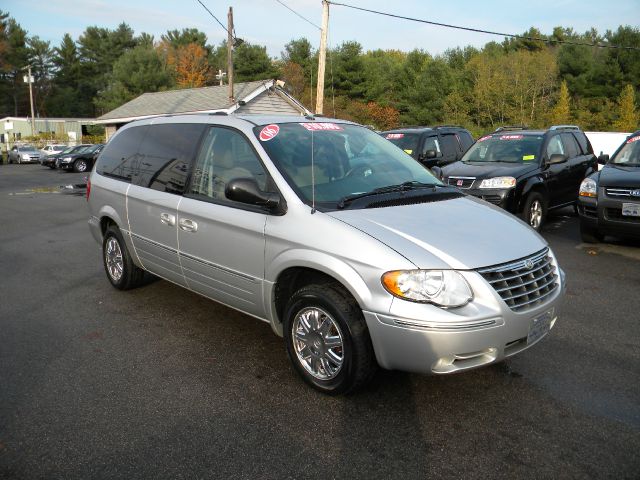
627, 114
190, 64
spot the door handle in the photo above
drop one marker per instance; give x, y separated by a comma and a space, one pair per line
188, 225
168, 219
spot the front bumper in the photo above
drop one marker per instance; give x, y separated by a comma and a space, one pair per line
604, 215
500, 197
427, 339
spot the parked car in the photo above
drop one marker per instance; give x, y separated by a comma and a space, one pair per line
527, 172
609, 200
432, 145
24, 154
53, 161
82, 160
52, 149
349, 248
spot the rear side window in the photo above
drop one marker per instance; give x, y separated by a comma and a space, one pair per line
117, 159
583, 141
466, 140
165, 155
571, 146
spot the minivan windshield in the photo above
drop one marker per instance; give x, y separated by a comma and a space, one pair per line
406, 141
348, 160
629, 154
505, 148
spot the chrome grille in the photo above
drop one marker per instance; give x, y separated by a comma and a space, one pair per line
461, 182
521, 287
622, 192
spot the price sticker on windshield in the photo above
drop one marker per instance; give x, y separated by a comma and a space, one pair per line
634, 139
484, 138
320, 126
394, 136
528, 157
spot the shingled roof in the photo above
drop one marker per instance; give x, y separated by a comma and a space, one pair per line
182, 101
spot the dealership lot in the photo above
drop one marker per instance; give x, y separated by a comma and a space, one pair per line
161, 383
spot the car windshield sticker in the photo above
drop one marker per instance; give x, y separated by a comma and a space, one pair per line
321, 126
511, 137
394, 136
268, 132
633, 139
409, 151
528, 157
484, 138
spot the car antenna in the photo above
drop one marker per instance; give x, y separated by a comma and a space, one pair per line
313, 180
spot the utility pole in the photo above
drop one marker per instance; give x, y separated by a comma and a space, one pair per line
322, 57
29, 79
230, 53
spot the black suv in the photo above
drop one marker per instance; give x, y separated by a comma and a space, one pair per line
432, 146
526, 172
82, 160
609, 200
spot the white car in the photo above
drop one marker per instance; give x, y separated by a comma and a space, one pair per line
52, 149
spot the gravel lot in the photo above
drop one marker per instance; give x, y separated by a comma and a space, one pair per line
161, 383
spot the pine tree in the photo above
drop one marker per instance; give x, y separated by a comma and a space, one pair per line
627, 114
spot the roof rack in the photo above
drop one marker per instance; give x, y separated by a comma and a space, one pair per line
564, 127
218, 113
510, 127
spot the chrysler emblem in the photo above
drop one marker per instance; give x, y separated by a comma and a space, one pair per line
635, 193
528, 264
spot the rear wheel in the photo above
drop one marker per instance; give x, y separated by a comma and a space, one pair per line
327, 339
118, 264
534, 211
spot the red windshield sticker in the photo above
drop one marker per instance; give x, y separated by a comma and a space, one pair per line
394, 136
484, 138
511, 137
315, 127
268, 132
633, 139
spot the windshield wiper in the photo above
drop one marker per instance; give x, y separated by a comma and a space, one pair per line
401, 187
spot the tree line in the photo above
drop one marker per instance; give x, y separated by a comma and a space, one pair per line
516, 81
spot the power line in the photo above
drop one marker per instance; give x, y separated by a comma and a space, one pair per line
477, 30
296, 13
216, 18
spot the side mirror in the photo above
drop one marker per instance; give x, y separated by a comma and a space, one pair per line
437, 172
557, 158
430, 154
603, 159
246, 190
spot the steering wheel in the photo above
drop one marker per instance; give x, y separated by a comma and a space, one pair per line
361, 170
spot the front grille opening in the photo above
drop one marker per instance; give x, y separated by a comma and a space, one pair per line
515, 346
524, 284
616, 214
589, 211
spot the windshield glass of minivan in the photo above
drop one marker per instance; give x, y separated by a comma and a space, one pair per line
629, 154
347, 160
505, 148
406, 141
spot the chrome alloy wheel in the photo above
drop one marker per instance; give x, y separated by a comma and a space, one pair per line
318, 343
113, 259
535, 214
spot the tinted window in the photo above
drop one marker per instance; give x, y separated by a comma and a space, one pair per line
406, 141
571, 146
225, 155
584, 143
449, 146
165, 155
466, 140
512, 148
432, 143
117, 157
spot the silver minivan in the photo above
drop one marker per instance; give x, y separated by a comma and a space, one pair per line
352, 250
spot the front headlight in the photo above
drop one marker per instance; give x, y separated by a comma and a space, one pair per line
588, 188
67, 159
498, 182
445, 288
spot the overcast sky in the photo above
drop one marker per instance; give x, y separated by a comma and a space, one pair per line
267, 22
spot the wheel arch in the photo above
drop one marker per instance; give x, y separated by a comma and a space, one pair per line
533, 184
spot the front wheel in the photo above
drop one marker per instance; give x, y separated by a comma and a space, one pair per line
118, 264
327, 339
80, 165
534, 211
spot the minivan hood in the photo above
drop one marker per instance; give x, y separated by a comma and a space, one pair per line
488, 169
619, 176
463, 233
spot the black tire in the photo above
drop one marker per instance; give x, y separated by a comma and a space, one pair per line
534, 201
80, 165
590, 234
358, 360
129, 275
52, 166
